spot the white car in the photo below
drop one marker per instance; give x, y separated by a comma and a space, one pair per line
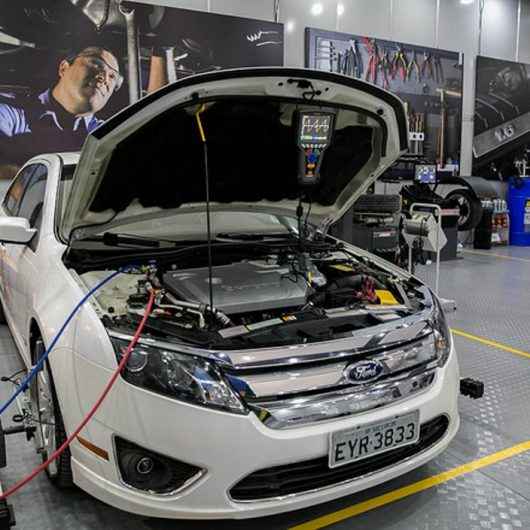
280, 367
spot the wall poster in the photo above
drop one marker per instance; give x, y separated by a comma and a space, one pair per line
429, 81
67, 65
502, 109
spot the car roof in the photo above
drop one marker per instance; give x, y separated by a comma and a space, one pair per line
69, 158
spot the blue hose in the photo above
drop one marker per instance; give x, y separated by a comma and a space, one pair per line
24, 384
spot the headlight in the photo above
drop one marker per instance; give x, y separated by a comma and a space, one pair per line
442, 334
183, 377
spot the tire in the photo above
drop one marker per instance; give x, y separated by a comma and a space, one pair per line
470, 208
378, 204
51, 433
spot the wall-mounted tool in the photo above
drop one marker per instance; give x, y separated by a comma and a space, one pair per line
439, 76
400, 63
385, 65
414, 66
327, 53
373, 60
416, 133
350, 62
427, 67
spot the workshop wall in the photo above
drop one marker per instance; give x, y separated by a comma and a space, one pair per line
446, 24
524, 32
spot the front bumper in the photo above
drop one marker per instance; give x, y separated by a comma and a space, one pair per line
230, 447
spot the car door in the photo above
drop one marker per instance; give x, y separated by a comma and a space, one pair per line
10, 207
21, 270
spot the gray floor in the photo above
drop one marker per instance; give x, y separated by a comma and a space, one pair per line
493, 301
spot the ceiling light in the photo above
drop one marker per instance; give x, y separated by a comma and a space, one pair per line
466, 2
289, 26
340, 9
316, 9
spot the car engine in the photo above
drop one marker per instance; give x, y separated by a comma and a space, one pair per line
279, 298
240, 287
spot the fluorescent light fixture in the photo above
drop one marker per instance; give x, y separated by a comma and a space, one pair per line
340, 9
466, 2
316, 9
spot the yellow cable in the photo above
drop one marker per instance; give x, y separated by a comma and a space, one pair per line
199, 122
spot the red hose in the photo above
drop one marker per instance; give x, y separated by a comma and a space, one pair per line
88, 417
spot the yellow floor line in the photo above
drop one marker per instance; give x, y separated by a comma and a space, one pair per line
411, 489
492, 343
491, 254
422, 485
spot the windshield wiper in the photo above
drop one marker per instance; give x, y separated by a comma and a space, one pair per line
248, 236
168, 254
111, 239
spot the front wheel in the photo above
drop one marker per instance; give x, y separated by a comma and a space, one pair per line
50, 433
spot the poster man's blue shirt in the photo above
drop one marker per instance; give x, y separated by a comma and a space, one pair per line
14, 118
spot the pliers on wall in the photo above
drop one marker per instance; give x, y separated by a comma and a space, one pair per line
373, 60
351, 63
427, 68
413, 65
385, 64
438, 70
400, 64
357, 59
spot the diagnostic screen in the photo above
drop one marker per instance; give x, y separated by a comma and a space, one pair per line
425, 174
316, 128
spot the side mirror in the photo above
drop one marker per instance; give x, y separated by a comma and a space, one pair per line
15, 230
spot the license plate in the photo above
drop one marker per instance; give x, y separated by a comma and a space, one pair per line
369, 440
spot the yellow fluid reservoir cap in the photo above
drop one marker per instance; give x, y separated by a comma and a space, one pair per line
343, 268
386, 297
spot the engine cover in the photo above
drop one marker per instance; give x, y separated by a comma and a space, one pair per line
240, 287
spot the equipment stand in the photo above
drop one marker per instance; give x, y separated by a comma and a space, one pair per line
448, 305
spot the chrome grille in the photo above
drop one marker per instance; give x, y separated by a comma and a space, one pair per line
304, 395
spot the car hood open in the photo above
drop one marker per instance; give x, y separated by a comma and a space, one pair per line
147, 160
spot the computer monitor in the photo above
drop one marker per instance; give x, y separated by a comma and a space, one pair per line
425, 174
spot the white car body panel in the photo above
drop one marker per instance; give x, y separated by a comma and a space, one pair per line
38, 290
256, 447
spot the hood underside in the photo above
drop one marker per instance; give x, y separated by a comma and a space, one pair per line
150, 157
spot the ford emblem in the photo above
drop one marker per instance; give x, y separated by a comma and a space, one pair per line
364, 372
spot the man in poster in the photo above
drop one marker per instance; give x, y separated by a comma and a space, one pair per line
59, 118
41, 111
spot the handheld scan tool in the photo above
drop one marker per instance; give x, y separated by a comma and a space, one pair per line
314, 132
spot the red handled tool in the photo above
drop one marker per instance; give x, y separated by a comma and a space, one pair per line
373, 60
400, 64
413, 65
